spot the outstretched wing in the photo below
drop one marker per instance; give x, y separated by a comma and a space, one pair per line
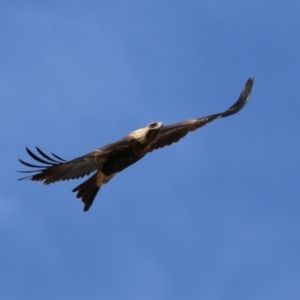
173, 133
56, 169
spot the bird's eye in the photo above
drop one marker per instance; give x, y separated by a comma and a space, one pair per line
152, 125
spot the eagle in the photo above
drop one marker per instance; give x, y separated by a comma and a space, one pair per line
113, 158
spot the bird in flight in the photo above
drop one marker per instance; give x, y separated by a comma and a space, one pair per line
113, 158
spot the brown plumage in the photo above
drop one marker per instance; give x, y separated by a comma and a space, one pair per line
111, 159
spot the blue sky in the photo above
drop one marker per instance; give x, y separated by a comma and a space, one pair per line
215, 216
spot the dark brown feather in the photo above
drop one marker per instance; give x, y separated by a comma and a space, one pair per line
173, 133
54, 171
48, 157
87, 191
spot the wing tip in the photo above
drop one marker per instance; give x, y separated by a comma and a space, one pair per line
243, 98
249, 83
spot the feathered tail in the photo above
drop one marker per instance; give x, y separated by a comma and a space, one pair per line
87, 191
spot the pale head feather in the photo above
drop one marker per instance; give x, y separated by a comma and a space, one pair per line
141, 134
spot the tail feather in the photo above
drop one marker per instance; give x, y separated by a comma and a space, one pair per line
87, 191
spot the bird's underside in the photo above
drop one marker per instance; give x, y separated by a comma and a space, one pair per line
104, 163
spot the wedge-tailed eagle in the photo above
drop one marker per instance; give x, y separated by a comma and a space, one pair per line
111, 159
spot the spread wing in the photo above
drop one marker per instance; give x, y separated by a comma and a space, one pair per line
55, 168
173, 133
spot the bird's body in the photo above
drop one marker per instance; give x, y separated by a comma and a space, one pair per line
111, 159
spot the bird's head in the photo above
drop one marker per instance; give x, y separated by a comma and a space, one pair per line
147, 134
155, 126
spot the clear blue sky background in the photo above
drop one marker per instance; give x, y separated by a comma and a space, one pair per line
216, 216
